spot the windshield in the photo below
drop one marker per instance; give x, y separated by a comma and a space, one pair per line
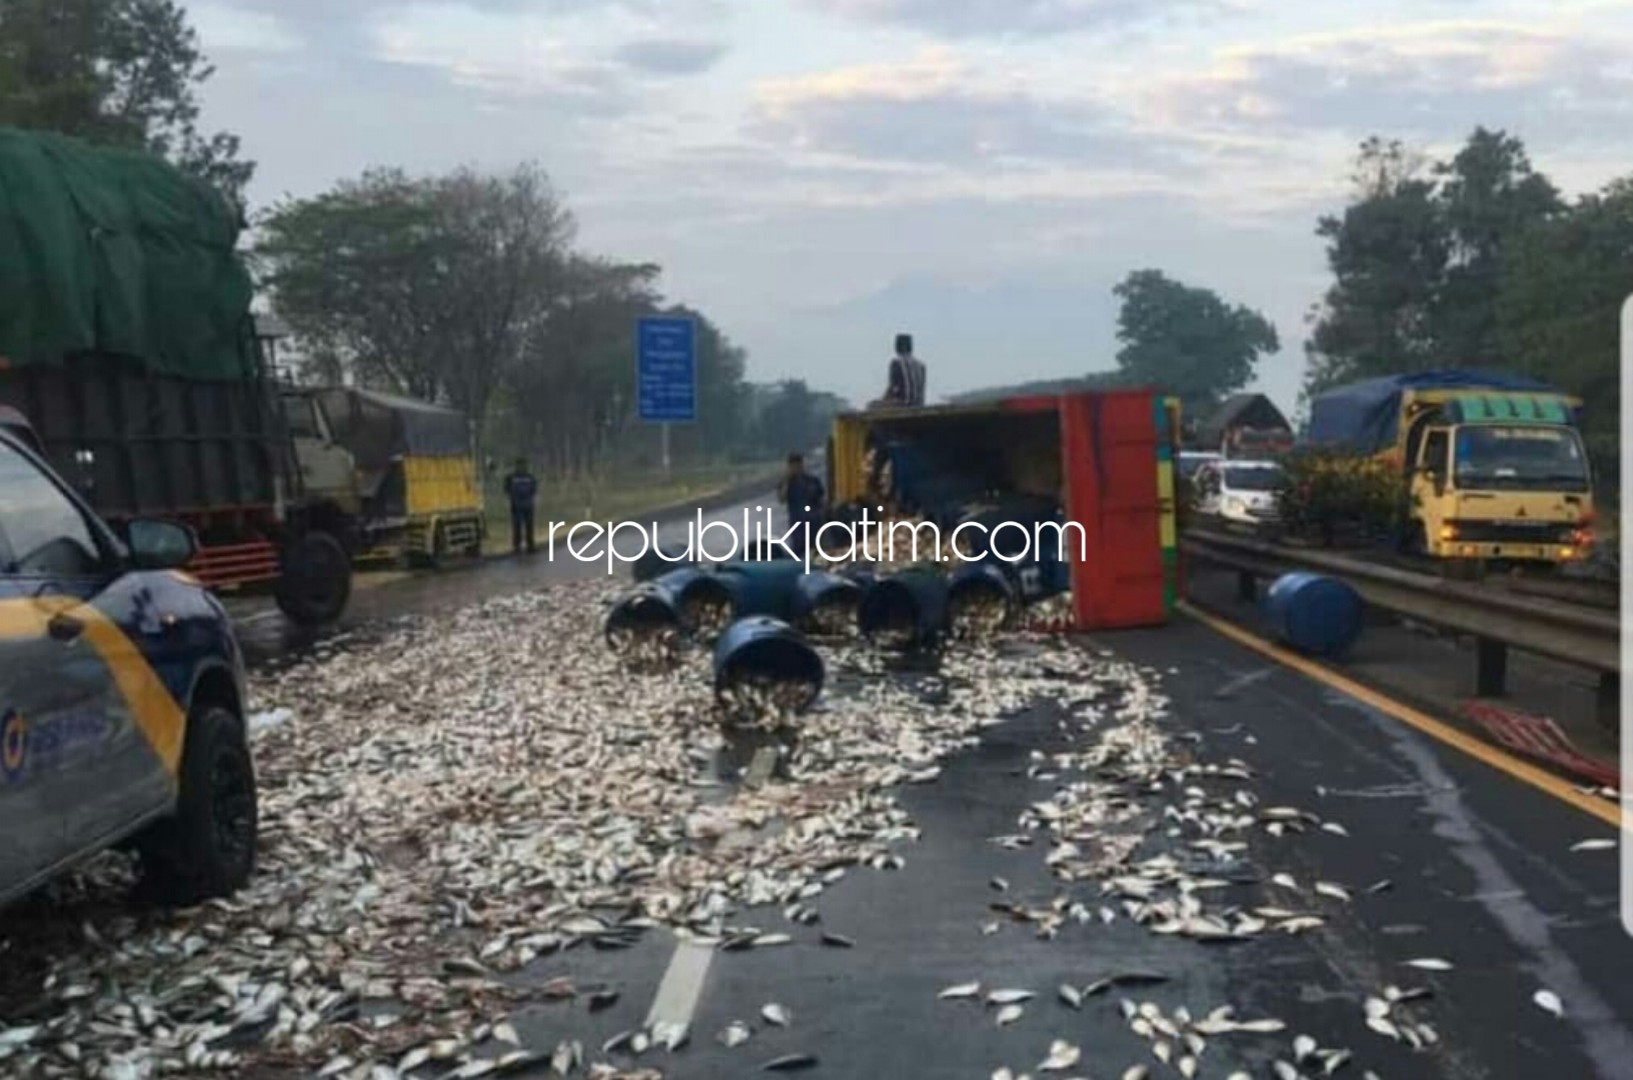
1252, 478
1190, 463
1542, 458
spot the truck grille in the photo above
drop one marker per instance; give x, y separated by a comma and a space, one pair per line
1513, 532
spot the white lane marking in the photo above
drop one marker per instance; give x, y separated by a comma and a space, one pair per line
682, 986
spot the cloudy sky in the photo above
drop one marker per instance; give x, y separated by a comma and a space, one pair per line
817, 174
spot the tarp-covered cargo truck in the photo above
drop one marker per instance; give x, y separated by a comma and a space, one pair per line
1494, 464
127, 343
406, 469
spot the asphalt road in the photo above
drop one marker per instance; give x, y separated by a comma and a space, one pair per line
1480, 868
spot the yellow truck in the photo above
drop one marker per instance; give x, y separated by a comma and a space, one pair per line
404, 470
1494, 466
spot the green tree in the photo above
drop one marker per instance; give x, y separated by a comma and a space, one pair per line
430, 286
1186, 340
1388, 253
1417, 261
124, 72
1564, 281
1489, 194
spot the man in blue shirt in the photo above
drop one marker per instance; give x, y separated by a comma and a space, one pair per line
522, 490
802, 495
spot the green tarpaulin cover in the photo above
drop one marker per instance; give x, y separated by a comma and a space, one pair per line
115, 251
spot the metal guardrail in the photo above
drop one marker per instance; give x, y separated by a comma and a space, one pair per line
1496, 619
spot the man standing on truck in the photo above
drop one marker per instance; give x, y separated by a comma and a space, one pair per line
802, 495
522, 490
906, 378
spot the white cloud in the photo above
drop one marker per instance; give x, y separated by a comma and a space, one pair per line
1421, 79
225, 28
1020, 18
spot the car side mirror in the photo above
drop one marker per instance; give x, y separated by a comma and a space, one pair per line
1438, 478
159, 545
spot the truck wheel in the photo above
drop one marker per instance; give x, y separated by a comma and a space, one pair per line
316, 580
208, 848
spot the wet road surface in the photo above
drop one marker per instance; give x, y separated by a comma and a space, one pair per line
1480, 869
1478, 866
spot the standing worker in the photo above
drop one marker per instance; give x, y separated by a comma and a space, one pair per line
802, 495
522, 490
907, 376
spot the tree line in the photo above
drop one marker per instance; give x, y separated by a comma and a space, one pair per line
468, 289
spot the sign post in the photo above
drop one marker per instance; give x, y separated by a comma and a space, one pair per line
666, 373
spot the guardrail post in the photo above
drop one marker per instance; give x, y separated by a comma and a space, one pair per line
1247, 587
1490, 667
1608, 701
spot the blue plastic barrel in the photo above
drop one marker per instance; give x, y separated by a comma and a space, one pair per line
976, 580
819, 589
763, 647
762, 588
654, 565
1315, 614
912, 603
646, 609
690, 591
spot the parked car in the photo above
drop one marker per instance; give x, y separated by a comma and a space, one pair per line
121, 695
1192, 460
1239, 491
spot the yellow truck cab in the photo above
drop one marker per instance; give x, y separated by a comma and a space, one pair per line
1494, 465
404, 470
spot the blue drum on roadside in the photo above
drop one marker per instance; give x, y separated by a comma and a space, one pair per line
1317, 615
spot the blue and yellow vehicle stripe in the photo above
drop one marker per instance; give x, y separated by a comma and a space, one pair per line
153, 708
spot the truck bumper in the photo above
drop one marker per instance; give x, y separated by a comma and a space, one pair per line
1552, 553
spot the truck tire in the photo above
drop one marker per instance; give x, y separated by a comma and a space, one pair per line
207, 849
316, 580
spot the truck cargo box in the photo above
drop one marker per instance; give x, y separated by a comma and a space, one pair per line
1364, 417
138, 443
1105, 459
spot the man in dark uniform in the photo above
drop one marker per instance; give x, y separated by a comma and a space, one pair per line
802, 496
522, 490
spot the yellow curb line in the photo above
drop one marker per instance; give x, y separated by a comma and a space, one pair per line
1517, 768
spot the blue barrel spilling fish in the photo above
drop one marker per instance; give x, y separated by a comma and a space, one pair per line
826, 604
980, 601
905, 611
765, 673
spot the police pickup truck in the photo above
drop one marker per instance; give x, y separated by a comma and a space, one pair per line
121, 695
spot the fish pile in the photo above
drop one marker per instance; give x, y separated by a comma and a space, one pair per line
833, 617
463, 797
706, 615
647, 647
977, 613
764, 702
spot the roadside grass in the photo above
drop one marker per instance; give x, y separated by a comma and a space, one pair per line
618, 498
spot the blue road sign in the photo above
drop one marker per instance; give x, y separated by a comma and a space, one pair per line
666, 369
